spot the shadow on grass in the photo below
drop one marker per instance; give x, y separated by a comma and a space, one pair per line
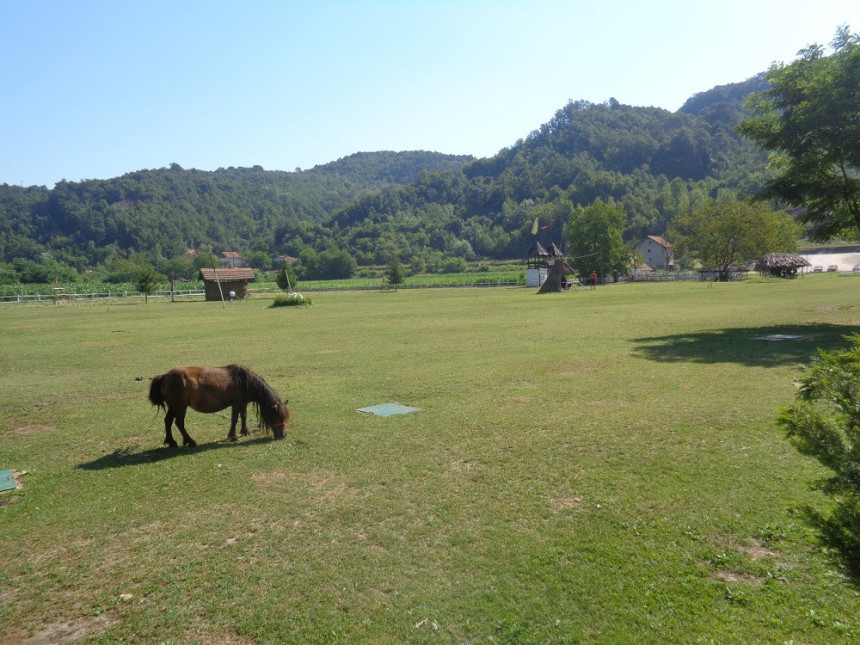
744, 345
127, 456
839, 532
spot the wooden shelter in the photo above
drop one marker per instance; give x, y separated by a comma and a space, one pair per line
220, 282
537, 257
781, 265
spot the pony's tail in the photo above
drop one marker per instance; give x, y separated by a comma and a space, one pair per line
155, 395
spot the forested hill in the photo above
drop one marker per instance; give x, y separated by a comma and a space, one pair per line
658, 164
732, 94
420, 207
170, 210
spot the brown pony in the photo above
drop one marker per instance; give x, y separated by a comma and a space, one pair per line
211, 389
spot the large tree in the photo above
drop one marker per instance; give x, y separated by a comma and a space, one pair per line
725, 235
810, 121
594, 239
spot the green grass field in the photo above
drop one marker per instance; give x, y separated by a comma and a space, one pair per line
592, 466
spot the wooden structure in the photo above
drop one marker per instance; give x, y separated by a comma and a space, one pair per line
537, 257
540, 258
781, 265
554, 252
538, 262
220, 282
556, 278
60, 297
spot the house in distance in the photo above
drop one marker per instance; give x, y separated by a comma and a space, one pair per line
657, 252
231, 259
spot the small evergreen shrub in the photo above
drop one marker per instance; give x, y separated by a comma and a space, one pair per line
825, 424
291, 300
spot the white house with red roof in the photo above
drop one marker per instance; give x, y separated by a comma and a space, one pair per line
657, 252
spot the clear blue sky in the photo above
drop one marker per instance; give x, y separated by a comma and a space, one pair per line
98, 88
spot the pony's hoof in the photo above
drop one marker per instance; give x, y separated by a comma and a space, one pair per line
170, 444
232, 438
190, 444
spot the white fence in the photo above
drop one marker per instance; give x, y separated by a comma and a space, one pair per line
50, 298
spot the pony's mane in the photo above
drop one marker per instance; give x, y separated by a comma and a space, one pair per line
261, 393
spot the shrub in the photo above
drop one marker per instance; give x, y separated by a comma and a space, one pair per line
395, 273
454, 265
291, 300
825, 423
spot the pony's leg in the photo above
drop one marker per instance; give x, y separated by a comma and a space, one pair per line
180, 423
244, 414
236, 412
168, 435
234, 417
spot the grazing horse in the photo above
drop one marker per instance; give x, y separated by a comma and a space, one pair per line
211, 389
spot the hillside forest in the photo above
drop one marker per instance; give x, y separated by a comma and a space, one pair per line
429, 211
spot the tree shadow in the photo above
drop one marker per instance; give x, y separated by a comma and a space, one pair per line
766, 346
129, 457
838, 530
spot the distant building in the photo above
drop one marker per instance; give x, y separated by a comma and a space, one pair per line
231, 259
220, 282
657, 252
781, 265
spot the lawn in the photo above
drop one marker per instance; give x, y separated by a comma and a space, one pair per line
591, 466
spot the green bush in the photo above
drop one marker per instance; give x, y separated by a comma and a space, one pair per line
395, 273
291, 300
825, 423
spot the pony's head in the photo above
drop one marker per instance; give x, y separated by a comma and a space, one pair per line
276, 418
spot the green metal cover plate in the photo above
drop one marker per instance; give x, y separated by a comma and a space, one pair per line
7, 481
388, 409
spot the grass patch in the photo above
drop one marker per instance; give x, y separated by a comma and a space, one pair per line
588, 466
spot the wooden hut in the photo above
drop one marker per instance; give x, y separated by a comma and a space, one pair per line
781, 265
220, 282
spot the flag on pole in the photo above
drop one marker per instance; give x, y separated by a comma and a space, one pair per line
535, 227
